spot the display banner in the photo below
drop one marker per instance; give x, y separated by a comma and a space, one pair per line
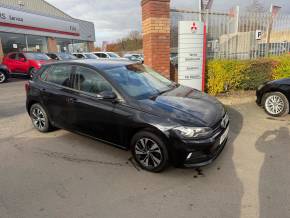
192, 54
22, 20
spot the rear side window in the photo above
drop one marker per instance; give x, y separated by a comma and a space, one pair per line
90, 81
80, 56
12, 56
58, 74
101, 55
20, 55
53, 56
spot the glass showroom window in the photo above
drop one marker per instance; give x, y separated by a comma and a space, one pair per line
12, 42
80, 46
64, 45
36, 43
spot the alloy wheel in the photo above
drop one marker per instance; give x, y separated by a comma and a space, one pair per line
148, 153
2, 77
38, 118
274, 104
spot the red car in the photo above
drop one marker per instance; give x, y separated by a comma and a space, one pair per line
25, 63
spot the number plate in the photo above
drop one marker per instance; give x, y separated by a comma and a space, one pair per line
225, 135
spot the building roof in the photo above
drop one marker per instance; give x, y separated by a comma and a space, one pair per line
35, 6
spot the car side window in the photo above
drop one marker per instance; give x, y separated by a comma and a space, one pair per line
80, 56
90, 81
53, 56
21, 56
58, 74
12, 56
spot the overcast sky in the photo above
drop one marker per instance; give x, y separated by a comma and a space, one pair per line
113, 19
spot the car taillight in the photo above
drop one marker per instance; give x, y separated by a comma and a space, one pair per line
27, 87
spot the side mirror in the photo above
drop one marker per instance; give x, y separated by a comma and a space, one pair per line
108, 95
22, 60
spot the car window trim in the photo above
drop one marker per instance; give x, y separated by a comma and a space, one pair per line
50, 67
120, 97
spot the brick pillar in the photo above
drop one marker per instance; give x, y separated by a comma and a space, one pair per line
156, 34
51, 44
91, 46
1, 51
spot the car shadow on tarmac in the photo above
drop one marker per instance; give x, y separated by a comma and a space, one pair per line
274, 193
212, 191
218, 183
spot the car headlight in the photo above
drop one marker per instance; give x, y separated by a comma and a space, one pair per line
192, 132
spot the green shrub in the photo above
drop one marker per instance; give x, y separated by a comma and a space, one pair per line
256, 73
223, 75
281, 67
228, 75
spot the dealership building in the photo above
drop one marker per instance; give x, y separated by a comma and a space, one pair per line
37, 26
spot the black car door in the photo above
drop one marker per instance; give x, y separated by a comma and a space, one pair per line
56, 94
95, 116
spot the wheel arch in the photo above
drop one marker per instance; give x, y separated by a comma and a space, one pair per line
6, 73
148, 128
275, 90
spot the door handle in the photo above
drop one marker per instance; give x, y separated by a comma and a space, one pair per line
71, 100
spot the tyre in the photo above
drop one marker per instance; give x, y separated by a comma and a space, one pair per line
276, 104
150, 151
39, 118
3, 77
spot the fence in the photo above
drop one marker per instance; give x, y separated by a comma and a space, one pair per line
233, 35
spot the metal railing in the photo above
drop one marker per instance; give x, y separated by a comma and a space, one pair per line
234, 35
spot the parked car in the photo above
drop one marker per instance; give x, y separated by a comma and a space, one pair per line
107, 55
61, 56
274, 97
85, 56
135, 57
4, 73
25, 63
132, 107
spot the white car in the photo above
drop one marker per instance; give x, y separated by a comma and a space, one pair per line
85, 56
135, 57
107, 55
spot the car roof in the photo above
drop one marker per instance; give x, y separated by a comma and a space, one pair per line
100, 64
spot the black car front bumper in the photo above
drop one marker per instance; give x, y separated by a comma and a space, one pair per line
193, 153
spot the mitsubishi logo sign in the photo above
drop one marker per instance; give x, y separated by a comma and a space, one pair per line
192, 54
193, 27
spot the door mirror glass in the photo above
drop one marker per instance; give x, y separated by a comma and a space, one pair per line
108, 95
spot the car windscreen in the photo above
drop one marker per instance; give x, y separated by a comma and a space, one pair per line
139, 81
37, 56
113, 55
65, 56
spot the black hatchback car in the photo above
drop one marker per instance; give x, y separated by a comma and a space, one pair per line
132, 107
274, 97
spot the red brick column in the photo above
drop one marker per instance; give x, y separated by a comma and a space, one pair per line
1, 51
51, 44
156, 34
91, 46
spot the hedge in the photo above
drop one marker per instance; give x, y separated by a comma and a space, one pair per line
228, 75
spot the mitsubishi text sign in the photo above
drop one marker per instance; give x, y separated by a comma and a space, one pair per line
191, 54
